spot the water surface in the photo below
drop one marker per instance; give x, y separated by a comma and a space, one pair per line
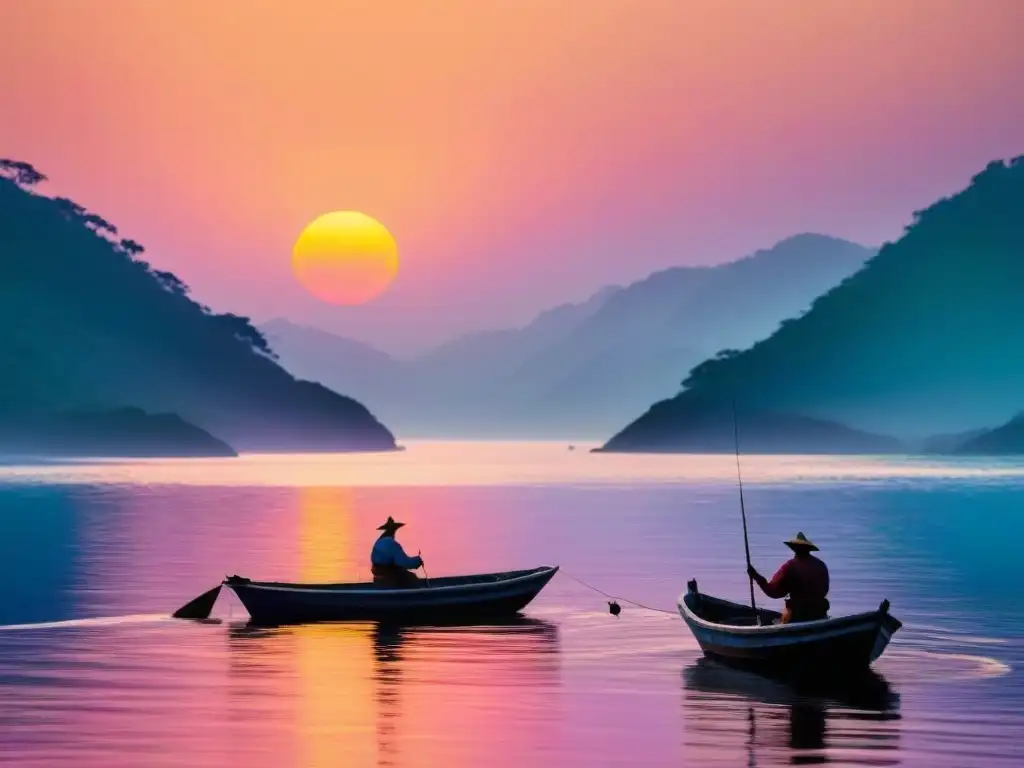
93, 557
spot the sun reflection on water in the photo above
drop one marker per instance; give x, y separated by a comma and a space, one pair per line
331, 659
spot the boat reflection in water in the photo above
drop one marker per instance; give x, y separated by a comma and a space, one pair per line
384, 694
517, 651
783, 723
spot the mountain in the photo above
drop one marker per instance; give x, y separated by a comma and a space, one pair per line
925, 339
366, 368
1007, 440
437, 393
91, 327
710, 429
499, 353
637, 345
948, 443
579, 369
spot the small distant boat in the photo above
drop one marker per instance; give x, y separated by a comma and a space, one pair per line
841, 646
444, 599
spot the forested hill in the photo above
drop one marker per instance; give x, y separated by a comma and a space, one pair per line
90, 325
925, 339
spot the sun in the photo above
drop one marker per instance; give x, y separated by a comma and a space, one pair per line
345, 257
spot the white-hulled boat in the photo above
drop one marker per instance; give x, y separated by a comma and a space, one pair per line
734, 634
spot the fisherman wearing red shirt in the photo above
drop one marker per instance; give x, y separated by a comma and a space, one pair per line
804, 579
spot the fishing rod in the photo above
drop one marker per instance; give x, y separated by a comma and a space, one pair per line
743, 510
424, 567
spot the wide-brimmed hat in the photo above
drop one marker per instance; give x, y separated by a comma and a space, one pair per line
801, 542
390, 525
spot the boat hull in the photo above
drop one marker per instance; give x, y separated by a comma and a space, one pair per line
437, 601
839, 647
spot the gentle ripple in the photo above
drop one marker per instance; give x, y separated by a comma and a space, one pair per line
94, 674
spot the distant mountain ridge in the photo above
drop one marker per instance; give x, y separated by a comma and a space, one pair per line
925, 339
579, 369
1004, 440
90, 327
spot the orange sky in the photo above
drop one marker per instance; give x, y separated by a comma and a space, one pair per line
523, 152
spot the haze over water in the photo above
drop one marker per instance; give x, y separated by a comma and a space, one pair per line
93, 558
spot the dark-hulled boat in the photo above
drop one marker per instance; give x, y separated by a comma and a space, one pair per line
840, 647
445, 599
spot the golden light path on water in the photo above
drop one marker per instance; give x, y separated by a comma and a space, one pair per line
329, 659
439, 463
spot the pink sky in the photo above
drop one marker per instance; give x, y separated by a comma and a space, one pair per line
523, 152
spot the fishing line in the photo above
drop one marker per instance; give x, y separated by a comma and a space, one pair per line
613, 606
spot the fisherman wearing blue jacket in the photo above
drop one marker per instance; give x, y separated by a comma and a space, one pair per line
390, 565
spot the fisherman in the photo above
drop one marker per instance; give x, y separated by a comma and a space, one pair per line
390, 565
804, 579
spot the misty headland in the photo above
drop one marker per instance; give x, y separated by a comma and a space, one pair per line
99, 346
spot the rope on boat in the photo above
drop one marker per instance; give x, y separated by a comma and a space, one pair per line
613, 606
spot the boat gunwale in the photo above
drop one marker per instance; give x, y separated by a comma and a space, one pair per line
528, 575
854, 621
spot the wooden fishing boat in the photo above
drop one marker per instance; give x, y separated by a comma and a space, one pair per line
733, 634
446, 599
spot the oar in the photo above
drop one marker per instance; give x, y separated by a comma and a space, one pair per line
743, 510
199, 608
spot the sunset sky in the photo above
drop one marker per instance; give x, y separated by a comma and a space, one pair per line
522, 152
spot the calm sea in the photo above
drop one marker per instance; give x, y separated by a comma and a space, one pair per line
93, 558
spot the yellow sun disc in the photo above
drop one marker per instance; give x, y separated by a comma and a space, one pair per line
345, 257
